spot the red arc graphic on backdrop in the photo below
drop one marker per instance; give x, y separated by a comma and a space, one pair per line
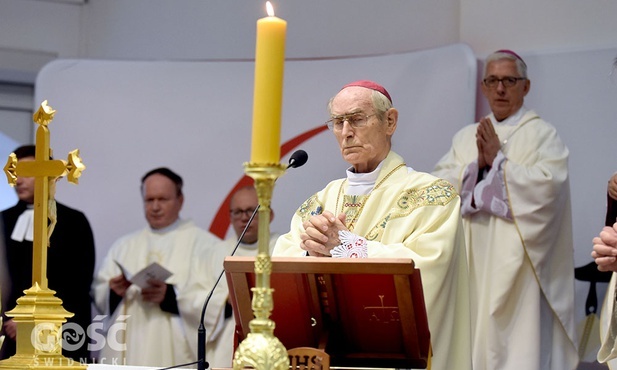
220, 223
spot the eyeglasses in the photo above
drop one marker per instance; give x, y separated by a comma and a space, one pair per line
508, 81
355, 120
237, 214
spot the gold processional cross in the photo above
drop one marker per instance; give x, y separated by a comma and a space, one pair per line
39, 314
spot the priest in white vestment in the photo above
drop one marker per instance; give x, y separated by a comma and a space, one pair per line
608, 319
511, 170
155, 325
605, 254
385, 209
219, 320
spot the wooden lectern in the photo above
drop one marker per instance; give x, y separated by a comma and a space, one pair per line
362, 312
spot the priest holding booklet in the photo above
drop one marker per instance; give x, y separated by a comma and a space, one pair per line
155, 325
385, 209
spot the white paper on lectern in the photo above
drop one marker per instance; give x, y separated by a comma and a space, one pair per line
152, 271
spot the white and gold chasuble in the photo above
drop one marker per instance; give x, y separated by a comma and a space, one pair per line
608, 327
409, 215
521, 270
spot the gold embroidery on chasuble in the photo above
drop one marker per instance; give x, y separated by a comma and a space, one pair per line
310, 207
154, 256
439, 193
352, 206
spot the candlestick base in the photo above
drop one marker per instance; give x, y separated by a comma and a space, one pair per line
260, 349
39, 316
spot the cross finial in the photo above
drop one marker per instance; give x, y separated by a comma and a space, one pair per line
45, 171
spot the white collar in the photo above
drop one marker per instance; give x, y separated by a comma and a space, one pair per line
24, 227
169, 228
514, 119
362, 183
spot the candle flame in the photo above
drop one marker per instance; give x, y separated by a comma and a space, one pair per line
269, 9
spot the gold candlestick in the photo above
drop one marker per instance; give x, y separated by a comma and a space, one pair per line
260, 349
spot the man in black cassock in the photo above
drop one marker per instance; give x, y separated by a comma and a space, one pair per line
70, 264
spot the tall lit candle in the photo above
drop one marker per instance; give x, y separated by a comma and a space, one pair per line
268, 91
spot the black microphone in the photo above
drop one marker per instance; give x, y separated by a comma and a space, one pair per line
297, 159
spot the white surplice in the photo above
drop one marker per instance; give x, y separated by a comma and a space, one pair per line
152, 336
608, 327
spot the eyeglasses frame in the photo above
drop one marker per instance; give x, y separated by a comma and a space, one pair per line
345, 118
498, 80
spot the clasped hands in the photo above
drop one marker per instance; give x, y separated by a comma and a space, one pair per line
605, 249
605, 244
321, 233
154, 292
487, 142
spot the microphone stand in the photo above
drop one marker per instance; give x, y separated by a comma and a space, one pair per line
202, 364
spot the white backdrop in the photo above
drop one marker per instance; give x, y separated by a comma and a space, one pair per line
195, 117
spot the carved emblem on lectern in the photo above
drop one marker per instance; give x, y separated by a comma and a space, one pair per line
382, 313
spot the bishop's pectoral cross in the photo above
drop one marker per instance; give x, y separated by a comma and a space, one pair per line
46, 172
39, 314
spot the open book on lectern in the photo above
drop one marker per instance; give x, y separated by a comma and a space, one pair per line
362, 312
